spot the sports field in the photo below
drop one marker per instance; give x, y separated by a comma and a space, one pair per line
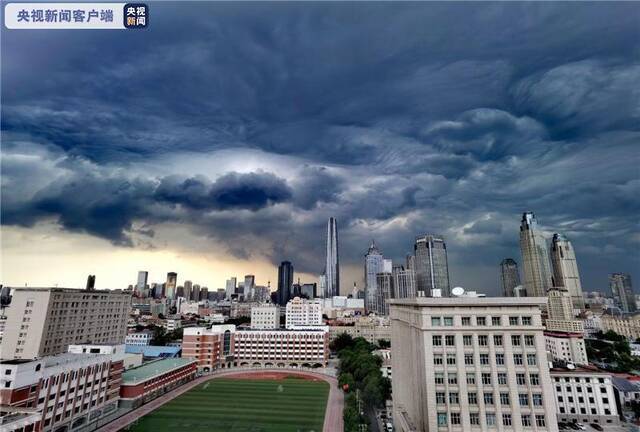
243, 405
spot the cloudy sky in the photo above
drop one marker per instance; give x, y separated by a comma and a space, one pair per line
218, 141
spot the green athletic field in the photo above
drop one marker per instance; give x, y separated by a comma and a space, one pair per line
243, 405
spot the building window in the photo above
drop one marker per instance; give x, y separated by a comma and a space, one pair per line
468, 359
439, 377
452, 378
500, 359
529, 340
455, 418
517, 359
466, 321
495, 321
453, 398
450, 340
534, 379
484, 359
486, 378
474, 418
504, 398
440, 398
467, 340
491, 419
481, 321
497, 340
506, 419
437, 359
513, 320
451, 359
502, 378
437, 340
526, 420
442, 419
448, 321
483, 340
536, 398
515, 340
473, 398
436, 321
526, 320
524, 399
488, 398
540, 421
531, 360
471, 378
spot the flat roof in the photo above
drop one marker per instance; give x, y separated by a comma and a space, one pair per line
73, 290
152, 369
470, 301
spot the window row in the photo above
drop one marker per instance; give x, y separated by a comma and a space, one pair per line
518, 359
454, 418
486, 379
483, 340
468, 321
489, 399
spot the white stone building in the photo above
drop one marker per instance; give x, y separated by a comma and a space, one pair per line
302, 313
265, 317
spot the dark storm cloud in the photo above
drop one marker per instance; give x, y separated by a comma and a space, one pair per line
396, 118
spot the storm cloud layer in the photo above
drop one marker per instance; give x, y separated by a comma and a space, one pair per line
252, 123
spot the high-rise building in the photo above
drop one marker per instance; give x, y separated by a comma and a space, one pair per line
45, 321
188, 286
265, 317
509, 277
303, 313
170, 285
249, 287
385, 292
308, 290
230, 287
141, 284
467, 362
431, 265
285, 282
373, 264
535, 259
404, 282
565, 269
622, 290
91, 282
332, 269
564, 334
195, 292
204, 293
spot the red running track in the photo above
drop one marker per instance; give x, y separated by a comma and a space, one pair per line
333, 421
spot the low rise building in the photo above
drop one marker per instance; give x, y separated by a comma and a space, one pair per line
584, 395
303, 313
224, 346
340, 306
265, 317
60, 392
129, 360
624, 324
385, 355
370, 328
567, 347
145, 383
150, 352
139, 338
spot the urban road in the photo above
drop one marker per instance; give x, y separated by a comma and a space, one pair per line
333, 421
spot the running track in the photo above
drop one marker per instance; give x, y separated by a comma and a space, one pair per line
332, 418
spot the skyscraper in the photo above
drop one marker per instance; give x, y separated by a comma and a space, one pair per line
188, 286
332, 269
565, 269
385, 289
249, 286
404, 282
91, 282
535, 259
141, 285
285, 282
622, 290
431, 265
170, 285
509, 277
373, 263
230, 287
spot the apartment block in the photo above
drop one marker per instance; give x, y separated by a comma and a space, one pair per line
584, 395
265, 316
60, 392
300, 313
567, 347
45, 321
470, 363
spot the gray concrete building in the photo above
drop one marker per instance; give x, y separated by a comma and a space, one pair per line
470, 364
45, 321
565, 269
535, 258
431, 265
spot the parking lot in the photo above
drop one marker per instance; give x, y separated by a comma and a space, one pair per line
591, 427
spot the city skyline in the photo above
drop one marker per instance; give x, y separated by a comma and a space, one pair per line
288, 116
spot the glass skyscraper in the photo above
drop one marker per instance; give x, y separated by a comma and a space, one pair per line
431, 265
332, 268
622, 290
285, 282
373, 264
509, 277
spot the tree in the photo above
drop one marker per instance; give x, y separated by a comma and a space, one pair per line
346, 379
383, 343
341, 342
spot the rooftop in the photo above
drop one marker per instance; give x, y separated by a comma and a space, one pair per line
153, 350
73, 290
152, 369
470, 301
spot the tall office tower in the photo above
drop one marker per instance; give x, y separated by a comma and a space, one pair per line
411, 262
91, 282
249, 286
431, 266
373, 264
332, 269
180, 291
188, 286
559, 304
384, 293
141, 285
45, 321
535, 259
404, 282
470, 363
309, 290
564, 334
322, 284
230, 287
509, 277
170, 285
204, 294
565, 269
195, 292
622, 290
285, 282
